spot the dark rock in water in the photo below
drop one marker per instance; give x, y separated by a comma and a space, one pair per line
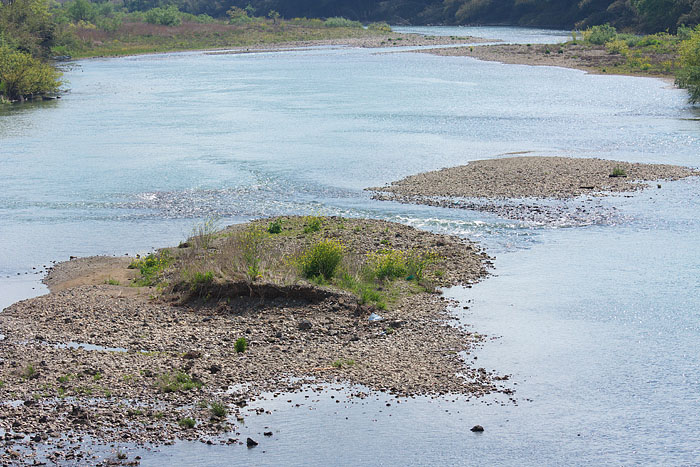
305, 325
477, 428
192, 354
268, 433
251, 443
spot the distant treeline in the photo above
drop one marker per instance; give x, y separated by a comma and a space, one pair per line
639, 15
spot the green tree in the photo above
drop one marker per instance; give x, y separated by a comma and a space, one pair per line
688, 76
27, 25
22, 75
82, 10
274, 16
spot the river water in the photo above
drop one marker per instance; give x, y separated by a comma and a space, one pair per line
598, 325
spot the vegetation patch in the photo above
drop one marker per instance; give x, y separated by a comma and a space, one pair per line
178, 381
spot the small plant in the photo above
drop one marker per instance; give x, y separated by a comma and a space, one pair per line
343, 363
204, 233
218, 410
64, 379
187, 423
151, 267
417, 261
200, 280
97, 376
180, 381
322, 259
618, 172
29, 372
313, 224
251, 244
241, 345
388, 264
111, 281
275, 227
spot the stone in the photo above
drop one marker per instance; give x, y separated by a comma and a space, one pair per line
251, 443
305, 325
477, 428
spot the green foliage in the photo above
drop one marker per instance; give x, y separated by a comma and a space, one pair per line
688, 76
29, 371
618, 172
388, 264
238, 16
343, 363
218, 410
313, 224
23, 76
599, 35
169, 16
617, 46
339, 22
252, 244
81, 10
241, 345
200, 281
174, 382
151, 268
187, 423
275, 227
111, 281
417, 261
322, 259
273, 15
380, 27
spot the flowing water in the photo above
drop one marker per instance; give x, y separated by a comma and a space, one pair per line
599, 326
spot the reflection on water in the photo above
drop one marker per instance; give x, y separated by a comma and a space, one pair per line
597, 324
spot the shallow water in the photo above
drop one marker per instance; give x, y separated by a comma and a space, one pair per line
599, 325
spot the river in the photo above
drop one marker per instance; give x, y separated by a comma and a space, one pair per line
598, 325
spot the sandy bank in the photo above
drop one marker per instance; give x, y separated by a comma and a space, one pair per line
162, 358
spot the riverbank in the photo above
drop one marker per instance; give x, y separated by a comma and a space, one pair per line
476, 185
143, 38
597, 59
180, 355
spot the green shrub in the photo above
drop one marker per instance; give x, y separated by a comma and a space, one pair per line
322, 259
151, 267
169, 16
187, 423
200, 280
688, 75
218, 410
22, 75
313, 224
388, 264
599, 35
339, 22
275, 227
617, 46
380, 27
618, 172
241, 345
179, 381
417, 261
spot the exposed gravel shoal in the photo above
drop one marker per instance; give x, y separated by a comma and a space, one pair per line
534, 177
115, 396
593, 59
516, 187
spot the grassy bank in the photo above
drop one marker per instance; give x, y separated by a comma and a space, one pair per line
379, 263
140, 37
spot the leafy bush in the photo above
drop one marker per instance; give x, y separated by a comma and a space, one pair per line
187, 422
200, 280
180, 381
218, 410
599, 35
169, 16
151, 267
275, 227
339, 22
313, 224
388, 264
417, 261
617, 46
22, 75
381, 27
688, 76
241, 345
322, 259
618, 172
